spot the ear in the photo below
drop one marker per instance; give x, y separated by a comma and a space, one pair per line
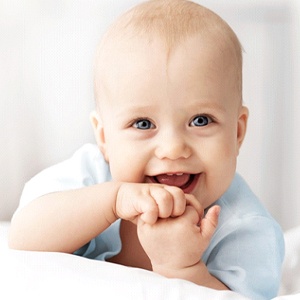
99, 132
242, 126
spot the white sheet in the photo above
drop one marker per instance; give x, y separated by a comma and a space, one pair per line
291, 266
44, 275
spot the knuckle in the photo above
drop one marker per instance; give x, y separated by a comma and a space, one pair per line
161, 195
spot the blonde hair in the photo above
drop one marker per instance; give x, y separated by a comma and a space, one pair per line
172, 21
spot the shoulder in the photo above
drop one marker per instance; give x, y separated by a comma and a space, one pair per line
242, 212
84, 168
248, 243
88, 162
240, 201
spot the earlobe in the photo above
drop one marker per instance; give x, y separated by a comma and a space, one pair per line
99, 132
242, 126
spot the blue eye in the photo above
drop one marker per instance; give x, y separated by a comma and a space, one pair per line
143, 124
201, 121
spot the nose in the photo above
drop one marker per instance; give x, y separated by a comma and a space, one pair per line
172, 147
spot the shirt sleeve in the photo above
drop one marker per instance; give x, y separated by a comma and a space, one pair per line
105, 245
248, 256
86, 167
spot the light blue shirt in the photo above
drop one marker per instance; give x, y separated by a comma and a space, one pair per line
245, 253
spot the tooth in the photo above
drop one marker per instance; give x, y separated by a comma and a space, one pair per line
169, 174
179, 174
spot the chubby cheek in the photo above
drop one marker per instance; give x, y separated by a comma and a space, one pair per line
126, 163
227, 162
220, 166
118, 162
221, 152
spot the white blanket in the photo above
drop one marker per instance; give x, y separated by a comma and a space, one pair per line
44, 275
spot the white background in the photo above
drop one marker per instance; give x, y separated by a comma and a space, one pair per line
46, 94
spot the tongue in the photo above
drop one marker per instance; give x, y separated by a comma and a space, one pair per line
174, 180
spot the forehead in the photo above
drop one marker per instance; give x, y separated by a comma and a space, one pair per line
143, 73
134, 60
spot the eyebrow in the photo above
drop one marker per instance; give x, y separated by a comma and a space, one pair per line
136, 109
196, 105
207, 105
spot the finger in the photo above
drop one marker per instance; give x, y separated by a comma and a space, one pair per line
147, 209
192, 201
179, 200
163, 199
192, 215
209, 223
149, 217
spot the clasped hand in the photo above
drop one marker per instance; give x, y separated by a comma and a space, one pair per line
171, 225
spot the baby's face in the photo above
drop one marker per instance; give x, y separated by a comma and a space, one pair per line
174, 120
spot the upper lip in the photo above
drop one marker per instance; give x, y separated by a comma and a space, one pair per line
174, 173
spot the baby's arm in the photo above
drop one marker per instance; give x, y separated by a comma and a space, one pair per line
175, 245
65, 221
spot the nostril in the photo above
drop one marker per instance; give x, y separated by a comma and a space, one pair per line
173, 151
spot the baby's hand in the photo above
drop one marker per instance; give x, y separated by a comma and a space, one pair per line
151, 201
177, 243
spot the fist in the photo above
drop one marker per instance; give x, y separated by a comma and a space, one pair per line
151, 202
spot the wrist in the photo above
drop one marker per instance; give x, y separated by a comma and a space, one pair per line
111, 189
197, 273
187, 272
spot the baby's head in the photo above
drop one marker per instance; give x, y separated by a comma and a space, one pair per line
168, 87
170, 23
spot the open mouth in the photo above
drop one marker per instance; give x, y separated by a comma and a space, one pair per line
184, 181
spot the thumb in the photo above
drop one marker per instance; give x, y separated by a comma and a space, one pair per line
209, 223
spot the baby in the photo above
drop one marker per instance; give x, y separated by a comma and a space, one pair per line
162, 193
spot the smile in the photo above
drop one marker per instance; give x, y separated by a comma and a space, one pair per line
184, 181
